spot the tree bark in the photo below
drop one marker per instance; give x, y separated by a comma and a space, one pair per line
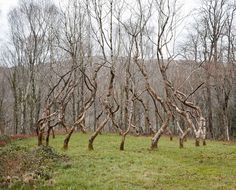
98, 130
40, 138
67, 139
226, 127
122, 144
155, 139
48, 135
183, 137
209, 106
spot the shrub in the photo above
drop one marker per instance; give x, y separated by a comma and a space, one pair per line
4, 139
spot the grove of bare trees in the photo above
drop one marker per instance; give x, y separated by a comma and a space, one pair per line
119, 66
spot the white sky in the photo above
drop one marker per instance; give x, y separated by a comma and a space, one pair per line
6, 5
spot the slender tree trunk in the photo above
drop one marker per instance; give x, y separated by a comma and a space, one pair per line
37, 106
82, 92
204, 133
197, 142
183, 137
170, 134
40, 137
48, 136
197, 138
73, 107
126, 113
157, 136
53, 133
15, 112
226, 126
122, 144
67, 139
94, 135
32, 96
209, 106
94, 114
204, 142
23, 116
2, 120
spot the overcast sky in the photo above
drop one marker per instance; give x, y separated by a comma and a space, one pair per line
6, 5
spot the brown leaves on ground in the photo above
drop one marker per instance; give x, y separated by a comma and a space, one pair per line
17, 164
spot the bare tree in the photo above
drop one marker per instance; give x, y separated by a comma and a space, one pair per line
28, 50
212, 50
71, 40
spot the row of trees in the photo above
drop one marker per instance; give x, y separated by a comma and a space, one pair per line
119, 66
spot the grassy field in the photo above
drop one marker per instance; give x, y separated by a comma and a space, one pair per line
107, 168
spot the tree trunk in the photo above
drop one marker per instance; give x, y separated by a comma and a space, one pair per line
67, 139
209, 106
197, 142
2, 119
53, 133
204, 136
157, 136
90, 144
183, 137
94, 114
22, 115
122, 144
15, 114
2, 123
197, 139
94, 135
48, 136
181, 143
170, 134
40, 138
226, 127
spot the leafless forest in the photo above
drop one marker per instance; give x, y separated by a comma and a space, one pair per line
119, 66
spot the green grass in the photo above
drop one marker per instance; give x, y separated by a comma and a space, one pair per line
107, 168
